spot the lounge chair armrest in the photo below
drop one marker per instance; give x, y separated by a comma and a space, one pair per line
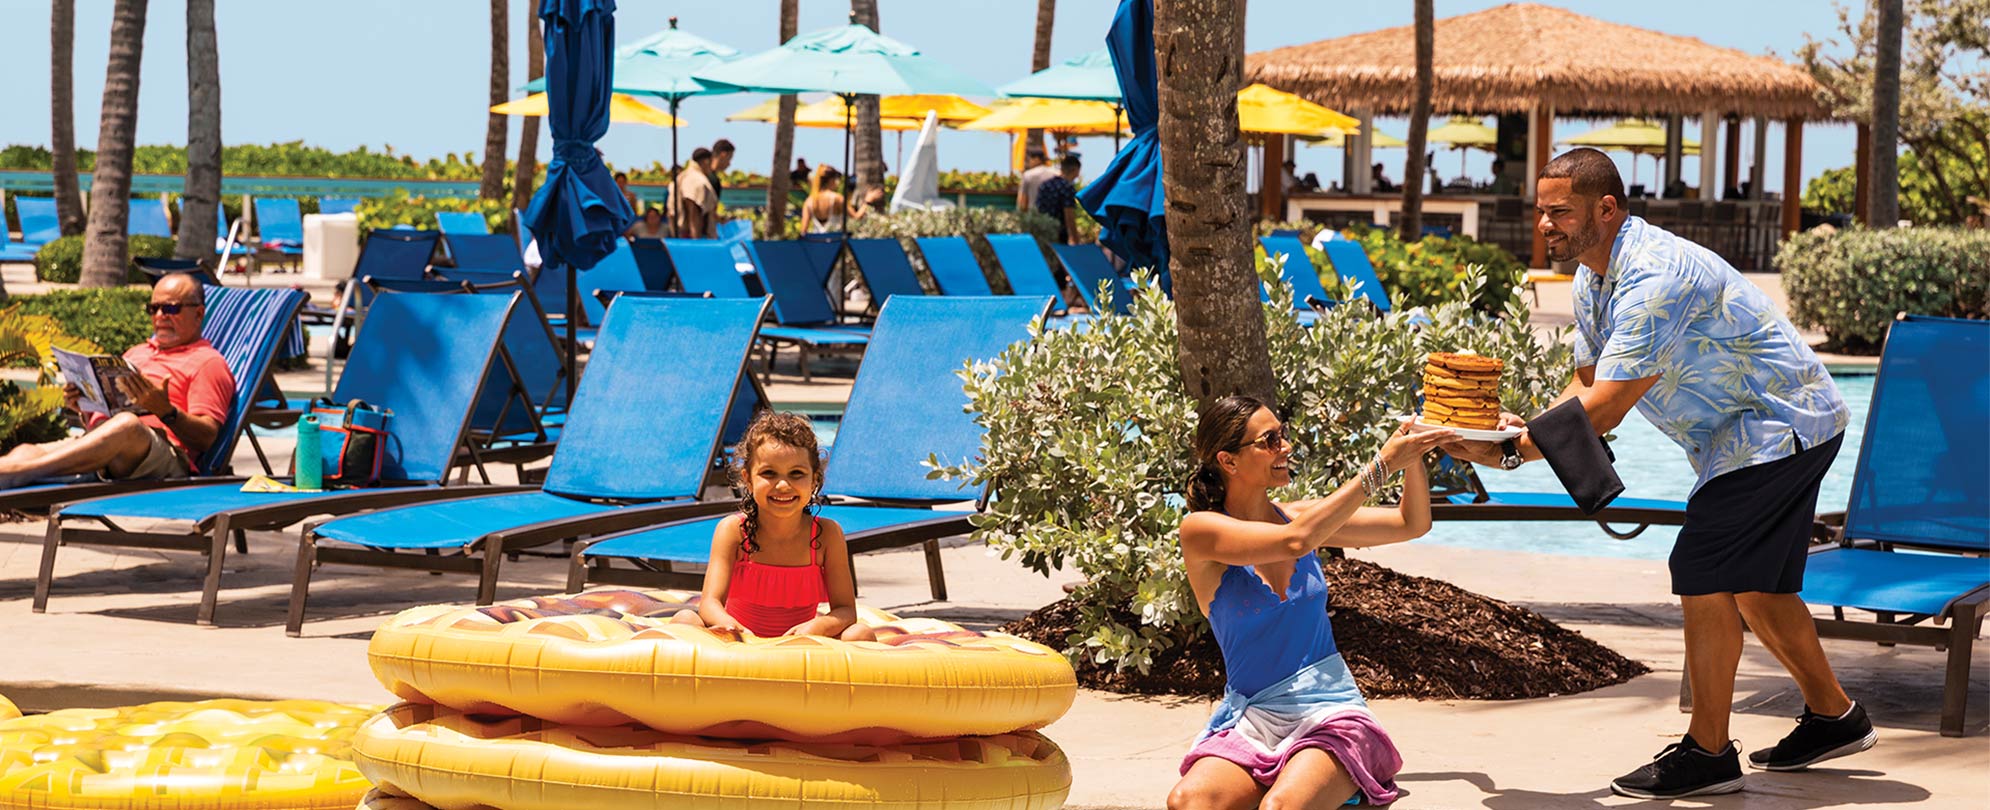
609, 522
1828, 528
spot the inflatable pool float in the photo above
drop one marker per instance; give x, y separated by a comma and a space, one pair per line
215, 754
611, 657
452, 761
8, 710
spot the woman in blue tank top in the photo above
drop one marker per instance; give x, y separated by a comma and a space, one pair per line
1293, 730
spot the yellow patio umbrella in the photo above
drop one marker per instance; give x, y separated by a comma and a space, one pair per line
950, 109
1378, 138
1054, 114
1634, 135
622, 109
1265, 110
1464, 132
832, 113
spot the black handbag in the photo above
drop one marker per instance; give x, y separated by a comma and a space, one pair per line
1580, 457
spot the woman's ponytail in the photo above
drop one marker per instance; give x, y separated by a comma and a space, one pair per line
1205, 489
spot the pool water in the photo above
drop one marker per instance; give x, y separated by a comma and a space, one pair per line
1651, 467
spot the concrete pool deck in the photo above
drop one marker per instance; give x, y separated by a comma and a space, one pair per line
119, 630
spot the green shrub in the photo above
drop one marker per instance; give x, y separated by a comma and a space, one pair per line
114, 319
1432, 270
61, 261
32, 413
1849, 284
1089, 432
402, 210
973, 223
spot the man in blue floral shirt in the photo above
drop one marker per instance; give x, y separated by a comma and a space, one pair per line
1668, 326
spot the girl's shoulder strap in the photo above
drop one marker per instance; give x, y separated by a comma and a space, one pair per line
814, 538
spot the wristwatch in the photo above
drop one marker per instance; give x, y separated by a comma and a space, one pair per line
1510, 455
171, 415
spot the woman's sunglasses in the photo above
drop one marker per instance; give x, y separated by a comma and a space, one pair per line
1273, 440
169, 309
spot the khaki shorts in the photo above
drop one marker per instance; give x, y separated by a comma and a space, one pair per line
162, 460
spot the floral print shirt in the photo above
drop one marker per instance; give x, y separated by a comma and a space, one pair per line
1737, 386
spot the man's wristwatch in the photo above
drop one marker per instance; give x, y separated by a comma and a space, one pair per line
1509, 455
172, 415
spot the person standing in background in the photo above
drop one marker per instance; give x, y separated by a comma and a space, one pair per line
1057, 198
693, 201
1038, 170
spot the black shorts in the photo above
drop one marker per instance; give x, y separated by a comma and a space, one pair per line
1748, 531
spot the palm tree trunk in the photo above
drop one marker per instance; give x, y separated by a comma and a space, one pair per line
1046, 17
202, 196
106, 256
62, 103
869, 137
1886, 117
1412, 221
1199, 48
527, 175
497, 130
778, 183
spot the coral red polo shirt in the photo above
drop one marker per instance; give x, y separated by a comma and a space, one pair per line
196, 379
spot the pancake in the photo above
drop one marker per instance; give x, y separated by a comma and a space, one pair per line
1463, 387
1465, 363
1463, 404
1442, 409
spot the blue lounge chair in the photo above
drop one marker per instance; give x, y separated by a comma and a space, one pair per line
1022, 261
822, 250
462, 223
484, 251
1350, 261
1089, 270
280, 226
246, 326
806, 319
886, 270
618, 272
423, 357
1309, 296
736, 233
952, 263
388, 253
1911, 548
653, 265
10, 250
147, 217
644, 429
225, 238
706, 266
40, 224
338, 205
905, 406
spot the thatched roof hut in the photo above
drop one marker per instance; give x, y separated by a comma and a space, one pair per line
1514, 57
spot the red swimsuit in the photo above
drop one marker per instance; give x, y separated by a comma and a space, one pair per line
769, 600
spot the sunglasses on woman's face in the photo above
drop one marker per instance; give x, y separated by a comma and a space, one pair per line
1273, 440
170, 308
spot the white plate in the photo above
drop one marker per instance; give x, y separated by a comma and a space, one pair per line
1463, 433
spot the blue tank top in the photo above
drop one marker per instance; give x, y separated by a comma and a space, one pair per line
1264, 640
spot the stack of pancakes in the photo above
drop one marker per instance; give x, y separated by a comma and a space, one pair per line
1461, 390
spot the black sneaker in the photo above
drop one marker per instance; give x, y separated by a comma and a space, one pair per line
1816, 739
1683, 769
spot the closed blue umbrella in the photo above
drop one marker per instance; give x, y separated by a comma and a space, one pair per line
1128, 199
660, 65
579, 213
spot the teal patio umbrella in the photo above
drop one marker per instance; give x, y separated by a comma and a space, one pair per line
1085, 78
849, 61
661, 65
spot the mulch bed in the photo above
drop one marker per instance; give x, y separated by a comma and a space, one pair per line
1402, 636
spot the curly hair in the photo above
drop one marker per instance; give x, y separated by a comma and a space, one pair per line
785, 429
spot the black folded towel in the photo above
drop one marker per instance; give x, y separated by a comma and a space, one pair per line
1581, 459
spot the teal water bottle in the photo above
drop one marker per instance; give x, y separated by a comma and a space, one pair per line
310, 457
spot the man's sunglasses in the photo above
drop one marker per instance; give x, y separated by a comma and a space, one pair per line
154, 308
1273, 440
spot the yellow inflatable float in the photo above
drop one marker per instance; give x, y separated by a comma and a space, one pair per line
213, 755
447, 760
610, 657
8, 710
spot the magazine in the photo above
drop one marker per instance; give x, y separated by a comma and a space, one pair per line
97, 375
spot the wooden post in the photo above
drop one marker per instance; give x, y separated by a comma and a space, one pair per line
1271, 179
1541, 137
1675, 151
1792, 175
1862, 182
1731, 163
1756, 170
1710, 149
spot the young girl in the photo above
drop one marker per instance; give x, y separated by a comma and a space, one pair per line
1293, 730
774, 562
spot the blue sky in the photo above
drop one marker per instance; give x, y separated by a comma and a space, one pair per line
413, 73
